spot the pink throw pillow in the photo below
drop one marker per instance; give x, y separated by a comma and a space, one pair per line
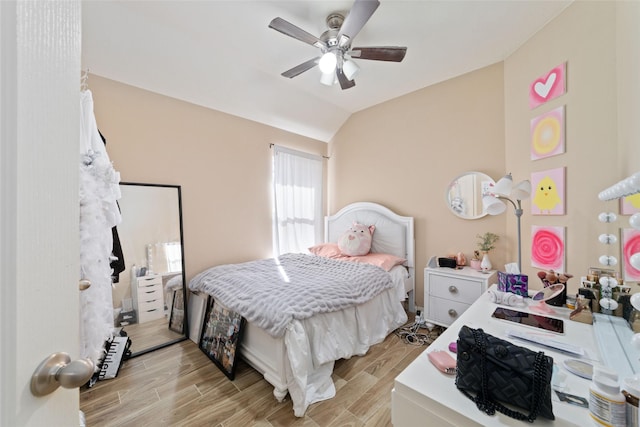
385, 261
327, 250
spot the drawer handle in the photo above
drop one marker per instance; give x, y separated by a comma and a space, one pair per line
453, 289
453, 313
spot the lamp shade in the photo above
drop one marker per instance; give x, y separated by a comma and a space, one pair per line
328, 78
328, 62
350, 69
504, 185
493, 205
522, 190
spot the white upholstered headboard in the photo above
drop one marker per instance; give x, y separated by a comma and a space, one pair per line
393, 234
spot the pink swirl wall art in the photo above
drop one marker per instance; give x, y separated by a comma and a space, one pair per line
630, 246
548, 248
548, 86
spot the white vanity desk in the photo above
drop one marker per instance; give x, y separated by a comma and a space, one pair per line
422, 395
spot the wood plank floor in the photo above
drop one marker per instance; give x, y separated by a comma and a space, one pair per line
150, 334
180, 386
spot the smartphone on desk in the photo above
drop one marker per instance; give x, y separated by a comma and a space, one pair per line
530, 319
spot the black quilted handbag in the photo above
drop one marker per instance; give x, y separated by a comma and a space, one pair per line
491, 370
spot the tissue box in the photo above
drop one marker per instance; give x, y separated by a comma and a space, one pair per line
515, 283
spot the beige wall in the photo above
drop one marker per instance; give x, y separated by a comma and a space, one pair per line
222, 163
590, 39
480, 121
405, 152
628, 70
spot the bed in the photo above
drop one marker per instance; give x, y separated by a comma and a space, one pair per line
300, 361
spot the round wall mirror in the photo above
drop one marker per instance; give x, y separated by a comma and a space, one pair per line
464, 194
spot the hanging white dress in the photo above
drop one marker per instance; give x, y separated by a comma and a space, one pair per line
99, 191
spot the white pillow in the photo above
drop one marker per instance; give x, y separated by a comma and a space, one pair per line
356, 241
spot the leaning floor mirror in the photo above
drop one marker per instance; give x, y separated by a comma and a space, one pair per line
149, 296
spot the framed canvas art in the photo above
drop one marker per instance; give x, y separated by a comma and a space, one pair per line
548, 86
176, 321
630, 205
547, 134
630, 245
548, 248
221, 336
548, 192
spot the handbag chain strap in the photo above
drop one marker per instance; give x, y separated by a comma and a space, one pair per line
483, 400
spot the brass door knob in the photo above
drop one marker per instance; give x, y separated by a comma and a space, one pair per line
58, 370
84, 284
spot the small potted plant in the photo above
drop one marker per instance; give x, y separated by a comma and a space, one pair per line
486, 243
475, 261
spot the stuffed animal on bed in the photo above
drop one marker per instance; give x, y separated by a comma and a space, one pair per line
356, 241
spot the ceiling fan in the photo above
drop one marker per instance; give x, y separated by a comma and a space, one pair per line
335, 60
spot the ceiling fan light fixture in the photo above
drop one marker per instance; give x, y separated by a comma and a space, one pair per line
328, 63
335, 45
328, 79
350, 69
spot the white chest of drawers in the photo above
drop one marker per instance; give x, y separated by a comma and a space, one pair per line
449, 292
148, 297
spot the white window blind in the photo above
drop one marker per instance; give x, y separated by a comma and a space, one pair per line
297, 194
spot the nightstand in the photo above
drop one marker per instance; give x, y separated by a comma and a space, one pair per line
450, 292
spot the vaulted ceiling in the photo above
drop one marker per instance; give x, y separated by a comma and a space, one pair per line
222, 54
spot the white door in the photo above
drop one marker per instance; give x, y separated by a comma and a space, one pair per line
39, 247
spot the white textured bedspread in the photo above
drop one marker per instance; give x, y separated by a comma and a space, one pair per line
272, 292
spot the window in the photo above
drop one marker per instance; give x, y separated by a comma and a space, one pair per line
297, 195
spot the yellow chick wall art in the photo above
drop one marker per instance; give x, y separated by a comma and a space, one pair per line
634, 201
549, 193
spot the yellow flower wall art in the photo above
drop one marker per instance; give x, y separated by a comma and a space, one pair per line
548, 192
547, 134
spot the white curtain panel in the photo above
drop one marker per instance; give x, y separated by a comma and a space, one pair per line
297, 190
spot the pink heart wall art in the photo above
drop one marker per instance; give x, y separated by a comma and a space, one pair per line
547, 87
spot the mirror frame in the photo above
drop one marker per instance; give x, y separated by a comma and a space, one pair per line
185, 323
448, 199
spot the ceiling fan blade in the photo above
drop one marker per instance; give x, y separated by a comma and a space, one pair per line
287, 28
345, 83
383, 53
360, 13
299, 69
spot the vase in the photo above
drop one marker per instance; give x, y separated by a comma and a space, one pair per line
485, 265
475, 264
